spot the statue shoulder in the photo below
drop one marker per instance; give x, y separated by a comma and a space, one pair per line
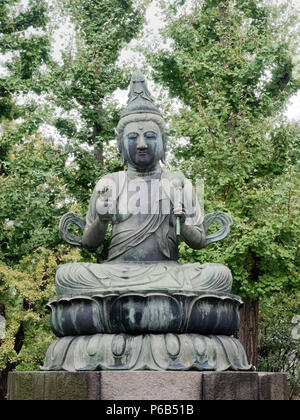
174, 176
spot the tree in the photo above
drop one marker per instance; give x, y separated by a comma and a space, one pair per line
231, 65
82, 84
25, 47
278, 349
43, 178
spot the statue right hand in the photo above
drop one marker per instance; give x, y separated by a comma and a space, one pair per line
105, 206
105, 209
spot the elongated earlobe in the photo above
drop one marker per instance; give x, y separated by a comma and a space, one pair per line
122, 154
163, 155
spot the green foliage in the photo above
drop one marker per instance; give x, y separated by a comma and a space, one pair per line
34, 196
231, 65
27, 183
81, 85
278, 351
24, 293
24, 38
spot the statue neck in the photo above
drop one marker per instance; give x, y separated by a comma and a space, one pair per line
133, 170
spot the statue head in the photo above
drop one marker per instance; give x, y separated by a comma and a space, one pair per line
141, 131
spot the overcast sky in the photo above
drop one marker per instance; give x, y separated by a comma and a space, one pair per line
154, 24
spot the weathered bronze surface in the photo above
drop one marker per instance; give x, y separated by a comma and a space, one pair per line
145, 312
146, 352
141, 309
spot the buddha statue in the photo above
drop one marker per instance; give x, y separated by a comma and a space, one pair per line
109, 315
142, 208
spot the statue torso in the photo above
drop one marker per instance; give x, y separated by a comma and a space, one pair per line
144, 233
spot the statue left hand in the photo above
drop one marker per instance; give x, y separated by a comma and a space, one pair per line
180, 212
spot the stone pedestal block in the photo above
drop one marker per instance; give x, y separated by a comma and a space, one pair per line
147, 385
230, 386
273, 386
54, 386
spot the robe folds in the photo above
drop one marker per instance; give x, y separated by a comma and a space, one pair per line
136, 230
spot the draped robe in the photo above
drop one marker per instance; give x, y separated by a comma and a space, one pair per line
143, 251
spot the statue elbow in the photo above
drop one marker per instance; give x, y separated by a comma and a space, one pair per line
86, 244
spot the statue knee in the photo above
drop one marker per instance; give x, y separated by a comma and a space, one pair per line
65, 277
219, 269
215, 277
221, 277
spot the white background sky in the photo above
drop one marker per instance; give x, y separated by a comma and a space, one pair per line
154, 24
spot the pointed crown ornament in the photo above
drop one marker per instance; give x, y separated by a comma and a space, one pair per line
139, 98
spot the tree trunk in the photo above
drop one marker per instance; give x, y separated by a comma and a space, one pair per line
3, 380
248, 332
97, 129
3, 384
99, 153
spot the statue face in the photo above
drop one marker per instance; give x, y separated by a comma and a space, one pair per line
142, 144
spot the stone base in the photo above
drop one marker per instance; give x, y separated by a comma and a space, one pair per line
147, 385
